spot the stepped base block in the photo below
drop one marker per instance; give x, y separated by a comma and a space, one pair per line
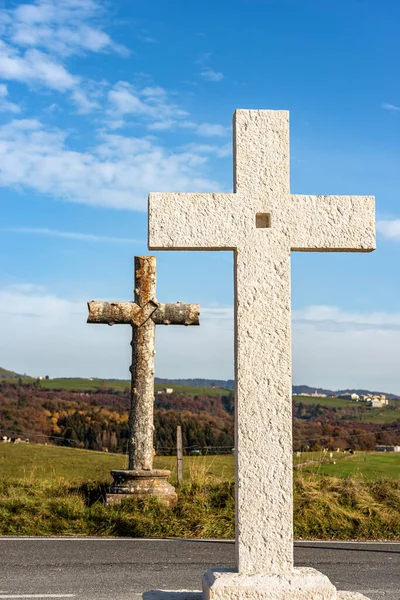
302, 583
141, 484
351, 596
190, 595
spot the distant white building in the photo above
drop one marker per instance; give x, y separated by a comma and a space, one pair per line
387, 448
378, 401
168, 390
375, 403
349, 396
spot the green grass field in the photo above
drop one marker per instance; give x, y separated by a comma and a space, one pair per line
79, 385
330, 402
119, 385
317, 456
381, 416
34, 462
194, 390
368, 465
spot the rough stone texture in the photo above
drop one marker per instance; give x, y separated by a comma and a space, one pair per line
177, 314
130, 313
300, 584
262, 222
189, 595
143, 315
351, 596
141, 484
140, 444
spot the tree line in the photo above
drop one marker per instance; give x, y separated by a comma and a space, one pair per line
98, 420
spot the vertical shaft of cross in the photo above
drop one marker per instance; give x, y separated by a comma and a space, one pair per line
263, 411
140, 446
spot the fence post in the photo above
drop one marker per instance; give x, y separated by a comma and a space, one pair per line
179, 454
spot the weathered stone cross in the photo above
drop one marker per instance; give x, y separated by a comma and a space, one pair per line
142, 314
262, 222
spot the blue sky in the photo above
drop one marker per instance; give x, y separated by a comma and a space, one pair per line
102, 102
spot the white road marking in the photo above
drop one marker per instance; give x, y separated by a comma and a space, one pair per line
37, 596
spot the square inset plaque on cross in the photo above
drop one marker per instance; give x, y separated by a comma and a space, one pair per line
262, 222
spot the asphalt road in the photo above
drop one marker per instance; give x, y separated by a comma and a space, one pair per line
118, 569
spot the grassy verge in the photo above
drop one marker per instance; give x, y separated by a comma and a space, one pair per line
344, 509
37, 508
50, 490
325, 508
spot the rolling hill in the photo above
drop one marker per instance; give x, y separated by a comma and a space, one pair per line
6, 374
81, 383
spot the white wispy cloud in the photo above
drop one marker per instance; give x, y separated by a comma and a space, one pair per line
202, 129
388, 106
333, 318
149, 101
5, 104
218, 151
118, 172
210, 75
211, 130
84, 102
37, 41
336, 348
389, 229
38, 38
34, 66
63, 27
218, 313
153, 106
115, 171
36, 321
72, 235
148, 39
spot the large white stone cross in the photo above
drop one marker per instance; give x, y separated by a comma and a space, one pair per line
262, 222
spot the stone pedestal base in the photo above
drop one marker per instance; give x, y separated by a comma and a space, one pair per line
301, 584
142, 484
190, 595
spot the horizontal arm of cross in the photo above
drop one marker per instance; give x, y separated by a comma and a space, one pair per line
177, 314
332, 223
120, 313
130, 313
180, 221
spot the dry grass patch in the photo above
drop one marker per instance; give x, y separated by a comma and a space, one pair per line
351, 508
325, 508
